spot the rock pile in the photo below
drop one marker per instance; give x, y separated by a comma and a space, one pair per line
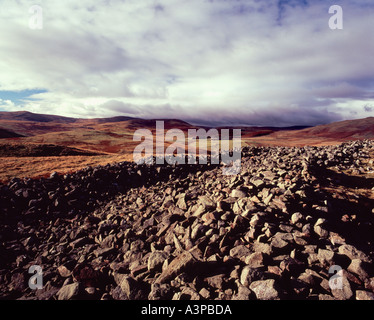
126, 231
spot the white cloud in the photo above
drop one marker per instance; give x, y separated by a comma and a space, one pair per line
238, 61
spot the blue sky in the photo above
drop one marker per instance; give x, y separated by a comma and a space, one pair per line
259, 62
20, 97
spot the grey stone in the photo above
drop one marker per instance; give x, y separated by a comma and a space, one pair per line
243, 293
249, 274
255, 260
345, 292
216, 281
131, 288
207, 202
359, 268
262, 247
179, 264
265, 289
353, 253
156, 260
240, 252
69, 291
160, 292
326, 257
238, 194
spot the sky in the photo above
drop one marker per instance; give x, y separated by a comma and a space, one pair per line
219, 62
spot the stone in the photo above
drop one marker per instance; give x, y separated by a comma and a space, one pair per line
265, 289
64, 271
251, 234
238, 194
281, 242
156, 260
204, 292
109, 241
325, 297
180, 263
353, 253
181, 203
275, 270
292, 266
262, 247
243, 293
122, 230
90, 290
336, 239
86, 275
103, 252
359, 268
240, 252
296, 217
207, 202
199, 211
255, 260
131, 288
80, 242
258, 183
326, 257
364, 295
69, 291
319, 228
138, 270
216, 281
187, 293
197, 231
249, 274
256, 220
267, 200
345, 292
18, 282
160, 292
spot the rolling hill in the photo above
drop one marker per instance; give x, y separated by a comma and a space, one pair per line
328, 134
81, 142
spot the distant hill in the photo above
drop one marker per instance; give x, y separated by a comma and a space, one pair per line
114, 134
108, 120
35, 117
327, 134
348, 129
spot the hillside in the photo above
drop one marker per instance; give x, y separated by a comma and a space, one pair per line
8, 134
113, 138
29, 116
328, 134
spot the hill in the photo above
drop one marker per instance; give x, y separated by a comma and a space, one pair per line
35, 117
113, 139
328, 134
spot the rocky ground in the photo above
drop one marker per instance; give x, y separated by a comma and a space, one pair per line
130, 232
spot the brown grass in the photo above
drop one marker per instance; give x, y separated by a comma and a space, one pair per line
36, 167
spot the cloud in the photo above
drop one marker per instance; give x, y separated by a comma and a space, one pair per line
120, 107
262, 62
368, 108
